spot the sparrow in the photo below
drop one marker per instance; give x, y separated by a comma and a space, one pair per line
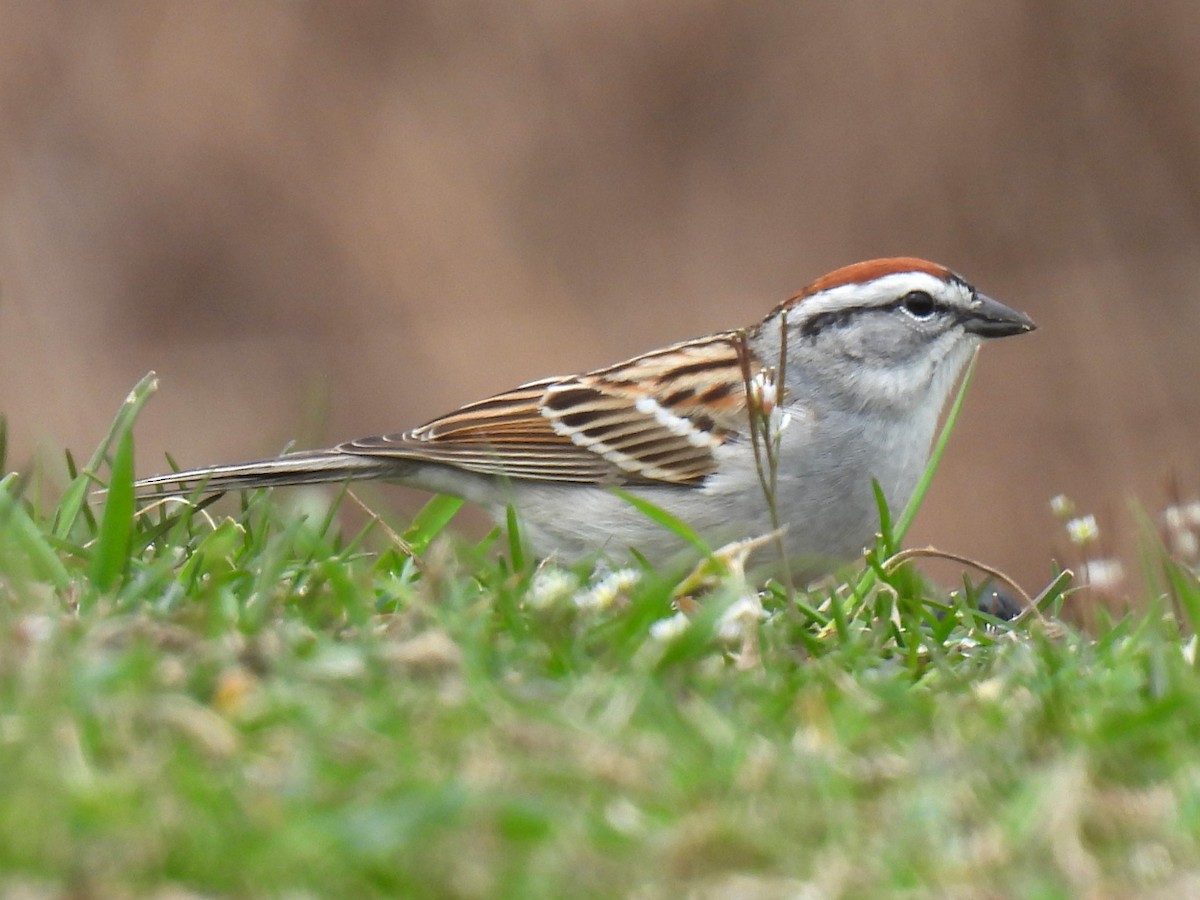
838, 386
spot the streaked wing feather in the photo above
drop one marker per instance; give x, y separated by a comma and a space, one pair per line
602, 427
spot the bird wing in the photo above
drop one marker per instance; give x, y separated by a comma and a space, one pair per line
657, 418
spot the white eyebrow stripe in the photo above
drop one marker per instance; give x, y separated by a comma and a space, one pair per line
879, 292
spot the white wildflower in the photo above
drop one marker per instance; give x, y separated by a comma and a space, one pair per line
608, 589
1185, 544
1182, 516
763, 391
742, 615
1105, 574
670, 628
765, 397
550, 586
1083, 530
1062, 507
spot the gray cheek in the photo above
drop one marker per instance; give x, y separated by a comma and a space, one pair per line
887, 340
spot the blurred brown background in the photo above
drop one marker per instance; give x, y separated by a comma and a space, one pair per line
321, 220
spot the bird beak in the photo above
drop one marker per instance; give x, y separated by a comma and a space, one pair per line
990, 319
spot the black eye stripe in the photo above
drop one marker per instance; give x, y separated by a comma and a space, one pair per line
831, 319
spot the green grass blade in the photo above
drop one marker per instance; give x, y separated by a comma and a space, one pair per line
1186, 587
838, 613
516, 550
430, 521
886, 531
76, 495
659, 515
27, 536
111, 551
1053, 593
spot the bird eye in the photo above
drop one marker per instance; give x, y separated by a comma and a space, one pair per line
918, 304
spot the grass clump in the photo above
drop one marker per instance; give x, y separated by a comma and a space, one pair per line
254, 702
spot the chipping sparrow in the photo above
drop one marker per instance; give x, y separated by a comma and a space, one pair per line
861, 363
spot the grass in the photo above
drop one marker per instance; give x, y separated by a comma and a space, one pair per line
255, 703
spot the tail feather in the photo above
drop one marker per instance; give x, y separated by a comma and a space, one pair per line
311, 467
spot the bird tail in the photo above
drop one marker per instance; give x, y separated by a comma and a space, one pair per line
308, 467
